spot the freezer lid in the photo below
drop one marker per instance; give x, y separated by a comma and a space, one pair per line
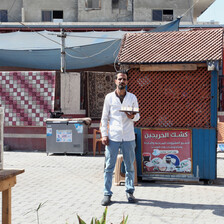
85, 120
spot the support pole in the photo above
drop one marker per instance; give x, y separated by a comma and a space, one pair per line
63, 65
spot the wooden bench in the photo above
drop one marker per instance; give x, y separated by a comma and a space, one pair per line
7, 181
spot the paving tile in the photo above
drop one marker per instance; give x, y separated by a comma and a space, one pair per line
71, 185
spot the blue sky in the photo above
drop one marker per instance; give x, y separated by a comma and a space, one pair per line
214, 12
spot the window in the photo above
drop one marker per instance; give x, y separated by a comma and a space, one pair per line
119, 4
52, 16
115, 4
162, 15
57, 14
46, 16
93, 4
3, 16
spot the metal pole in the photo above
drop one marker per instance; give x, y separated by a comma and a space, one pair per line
63, 65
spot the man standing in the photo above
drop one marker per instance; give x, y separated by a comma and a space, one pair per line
119, 134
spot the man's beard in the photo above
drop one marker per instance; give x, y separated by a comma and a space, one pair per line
120, 86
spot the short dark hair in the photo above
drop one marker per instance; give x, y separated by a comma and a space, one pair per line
123, 72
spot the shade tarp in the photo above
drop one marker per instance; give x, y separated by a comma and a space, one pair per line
42, 50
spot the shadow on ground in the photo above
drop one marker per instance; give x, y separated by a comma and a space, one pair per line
217, 209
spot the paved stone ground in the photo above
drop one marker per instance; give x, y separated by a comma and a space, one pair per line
71, 185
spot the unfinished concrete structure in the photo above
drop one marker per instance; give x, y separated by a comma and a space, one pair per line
11, 11
101, 10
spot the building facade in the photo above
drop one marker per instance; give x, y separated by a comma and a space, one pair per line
101, 10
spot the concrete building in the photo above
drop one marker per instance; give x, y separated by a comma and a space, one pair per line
11, 11
101, 10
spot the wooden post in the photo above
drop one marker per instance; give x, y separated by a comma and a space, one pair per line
5, 187
6, 206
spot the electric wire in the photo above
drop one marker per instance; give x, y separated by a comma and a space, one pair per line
191, 14
83, 53
110, 38
189, 8
11, 6
116, 58
85, 56
28, 26
90, 56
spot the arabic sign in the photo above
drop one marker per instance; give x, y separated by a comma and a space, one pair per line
167, 151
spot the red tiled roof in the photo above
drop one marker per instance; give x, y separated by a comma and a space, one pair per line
165, 47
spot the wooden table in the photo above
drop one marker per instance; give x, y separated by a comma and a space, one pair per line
7, 181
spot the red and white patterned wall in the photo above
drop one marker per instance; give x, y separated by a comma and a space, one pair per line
27, 97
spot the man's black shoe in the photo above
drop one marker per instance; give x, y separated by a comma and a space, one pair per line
106, 200
131, 198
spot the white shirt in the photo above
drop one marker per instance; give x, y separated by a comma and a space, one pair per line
121, 128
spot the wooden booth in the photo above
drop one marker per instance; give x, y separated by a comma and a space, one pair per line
175, 78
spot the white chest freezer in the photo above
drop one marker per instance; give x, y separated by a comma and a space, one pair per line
67, 135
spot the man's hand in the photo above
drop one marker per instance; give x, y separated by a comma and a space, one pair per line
105, 140
130, 115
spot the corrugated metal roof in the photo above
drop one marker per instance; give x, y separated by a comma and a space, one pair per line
166, 47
